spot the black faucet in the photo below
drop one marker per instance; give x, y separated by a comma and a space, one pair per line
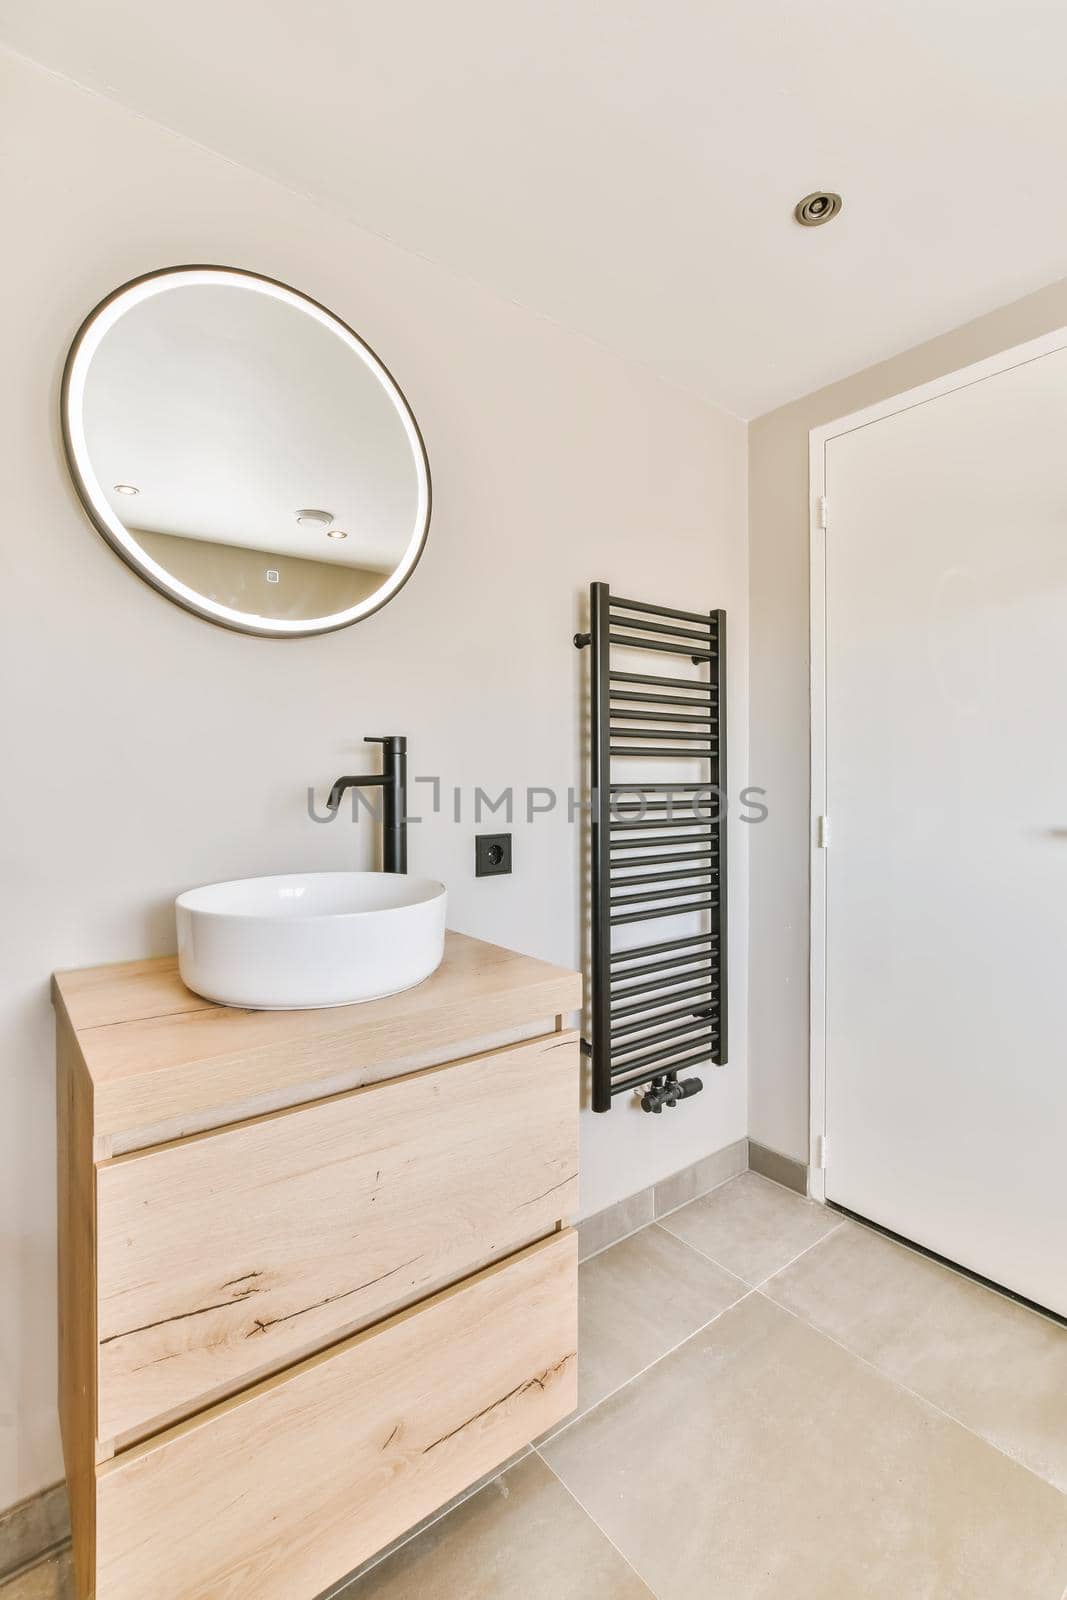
394, 785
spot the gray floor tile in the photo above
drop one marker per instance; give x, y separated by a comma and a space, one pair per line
522, 1538
763, 1462
607, 1227
751, 1226
980, 1356
639, 1299
50, 1580
33, 1526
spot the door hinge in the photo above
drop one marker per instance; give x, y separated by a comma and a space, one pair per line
821, 1146
822, 833
824, 511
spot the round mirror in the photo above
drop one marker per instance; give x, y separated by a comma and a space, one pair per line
244, 451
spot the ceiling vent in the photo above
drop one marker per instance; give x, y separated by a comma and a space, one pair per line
817, 208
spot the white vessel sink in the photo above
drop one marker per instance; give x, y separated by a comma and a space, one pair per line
310, 938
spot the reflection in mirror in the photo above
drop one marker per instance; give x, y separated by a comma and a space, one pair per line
245, 451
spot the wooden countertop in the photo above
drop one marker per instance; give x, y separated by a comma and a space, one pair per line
163, 1061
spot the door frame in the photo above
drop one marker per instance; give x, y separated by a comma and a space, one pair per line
818, 439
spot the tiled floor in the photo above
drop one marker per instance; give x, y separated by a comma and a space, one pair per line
49, 1581
775, 1404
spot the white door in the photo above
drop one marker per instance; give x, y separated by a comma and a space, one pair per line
945, 656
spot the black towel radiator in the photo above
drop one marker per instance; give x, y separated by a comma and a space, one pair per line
660, 1008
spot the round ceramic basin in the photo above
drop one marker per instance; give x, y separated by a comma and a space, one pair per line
310, 938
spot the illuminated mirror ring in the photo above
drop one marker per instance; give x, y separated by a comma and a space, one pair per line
245, 451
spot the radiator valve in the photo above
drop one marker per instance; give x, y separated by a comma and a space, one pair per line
668, 1091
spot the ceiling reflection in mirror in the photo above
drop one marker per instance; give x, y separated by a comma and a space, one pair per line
245, 451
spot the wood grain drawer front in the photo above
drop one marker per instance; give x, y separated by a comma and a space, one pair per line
223, 1257
284, 1489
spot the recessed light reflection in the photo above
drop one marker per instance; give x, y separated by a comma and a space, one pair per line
126, 488
336, 533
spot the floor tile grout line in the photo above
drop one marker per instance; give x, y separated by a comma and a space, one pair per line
654, 1219
703, 1194
620, 1240
588, 1412
746, 1172
814, 1245
697, 1251
706, 1257
915, 1395
604, 1535
758, 1288
733, 1270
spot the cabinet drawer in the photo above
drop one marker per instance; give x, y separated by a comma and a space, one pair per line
281, 1491
225, 1256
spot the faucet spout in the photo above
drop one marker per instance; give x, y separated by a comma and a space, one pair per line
393, 781
342, 785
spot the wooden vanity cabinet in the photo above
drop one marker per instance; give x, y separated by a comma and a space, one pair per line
315, 1271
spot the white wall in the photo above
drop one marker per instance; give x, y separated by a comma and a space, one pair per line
779, 704
147, 750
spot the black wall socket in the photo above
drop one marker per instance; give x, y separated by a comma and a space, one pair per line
492, 854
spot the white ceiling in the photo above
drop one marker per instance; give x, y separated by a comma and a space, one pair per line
629, 169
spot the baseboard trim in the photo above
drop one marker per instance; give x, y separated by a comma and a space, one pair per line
33, 1529
635, 1211
787, 1171
616, 1222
